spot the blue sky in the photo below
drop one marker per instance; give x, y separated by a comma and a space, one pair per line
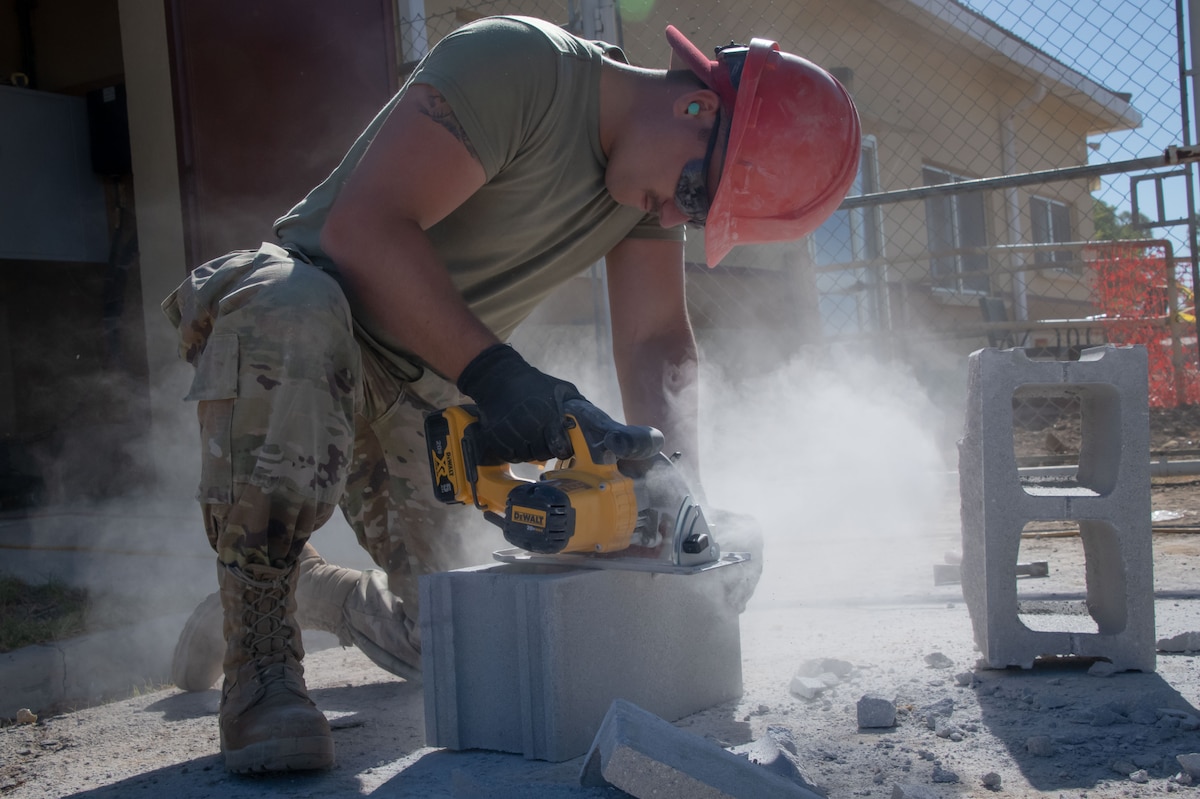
1126, 46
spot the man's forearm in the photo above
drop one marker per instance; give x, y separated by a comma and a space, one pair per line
659, 387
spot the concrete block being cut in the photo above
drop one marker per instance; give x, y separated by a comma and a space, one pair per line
1109, 499
645, 756
528, 658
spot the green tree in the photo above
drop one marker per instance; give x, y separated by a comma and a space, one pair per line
1113, 226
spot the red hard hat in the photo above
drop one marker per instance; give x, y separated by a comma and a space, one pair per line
793, 147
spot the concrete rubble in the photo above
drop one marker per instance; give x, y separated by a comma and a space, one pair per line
1183, 642
648, 758
813, 677
876, 712
1190, 763
777, 752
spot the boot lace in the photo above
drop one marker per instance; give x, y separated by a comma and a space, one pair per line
269, 636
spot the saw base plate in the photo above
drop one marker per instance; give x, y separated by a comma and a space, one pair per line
581, 561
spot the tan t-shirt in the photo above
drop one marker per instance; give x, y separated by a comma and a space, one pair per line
527, 93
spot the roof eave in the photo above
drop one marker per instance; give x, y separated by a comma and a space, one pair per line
1010, 53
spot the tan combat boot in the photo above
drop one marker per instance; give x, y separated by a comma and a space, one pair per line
268, 723
355, 606
358, 608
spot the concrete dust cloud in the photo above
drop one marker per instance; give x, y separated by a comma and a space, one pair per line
840, 463
140, 550
842, 460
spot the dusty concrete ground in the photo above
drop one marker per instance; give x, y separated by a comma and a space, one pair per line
865, 598
855, 527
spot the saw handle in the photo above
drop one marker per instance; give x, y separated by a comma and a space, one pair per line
603, 435
460, 476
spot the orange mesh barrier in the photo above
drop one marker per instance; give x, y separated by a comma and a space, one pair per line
1130, 290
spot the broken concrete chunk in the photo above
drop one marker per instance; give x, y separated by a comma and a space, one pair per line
1140, 776
829, 678
806, 687
1190, 763
776, 751
911, 791
947, 729
943, 775
991, 780
645, 756
936, 660
818, 666
1184, 642
941, 709
876, 712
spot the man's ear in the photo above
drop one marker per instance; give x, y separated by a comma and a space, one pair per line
699, 103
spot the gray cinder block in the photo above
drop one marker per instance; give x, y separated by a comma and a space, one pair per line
1109, 499
645, 756
528, 658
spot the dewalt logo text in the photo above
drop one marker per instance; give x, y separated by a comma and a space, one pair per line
530, 516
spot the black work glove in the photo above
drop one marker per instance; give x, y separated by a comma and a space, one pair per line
521, 415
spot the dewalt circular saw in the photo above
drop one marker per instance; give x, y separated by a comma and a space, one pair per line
618, 498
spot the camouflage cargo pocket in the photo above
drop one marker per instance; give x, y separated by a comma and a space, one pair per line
215, 386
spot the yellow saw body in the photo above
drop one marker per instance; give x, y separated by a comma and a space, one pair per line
590, 504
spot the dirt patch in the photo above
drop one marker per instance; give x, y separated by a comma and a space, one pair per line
1052, 437
1049, 430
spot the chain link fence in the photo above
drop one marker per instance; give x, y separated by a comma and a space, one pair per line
950, 244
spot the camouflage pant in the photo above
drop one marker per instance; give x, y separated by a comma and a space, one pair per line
300, 412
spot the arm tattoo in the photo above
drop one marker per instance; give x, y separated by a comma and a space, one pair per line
436, 108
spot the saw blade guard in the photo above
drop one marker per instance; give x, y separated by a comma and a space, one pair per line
670, 520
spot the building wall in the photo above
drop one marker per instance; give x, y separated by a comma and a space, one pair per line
73, 367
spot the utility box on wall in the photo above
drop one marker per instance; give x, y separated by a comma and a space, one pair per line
52, 204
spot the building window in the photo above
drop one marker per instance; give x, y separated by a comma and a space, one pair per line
955, 222
850, 299
853, 235
1050, 223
